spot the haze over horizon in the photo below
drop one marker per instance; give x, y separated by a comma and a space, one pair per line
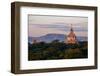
39, 25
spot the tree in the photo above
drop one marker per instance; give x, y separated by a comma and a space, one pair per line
55, 41
73, 53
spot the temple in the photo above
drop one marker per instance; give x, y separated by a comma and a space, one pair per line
71, 37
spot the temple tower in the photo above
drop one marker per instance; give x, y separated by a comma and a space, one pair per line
71, 37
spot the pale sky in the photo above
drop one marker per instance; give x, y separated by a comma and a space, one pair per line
39, 25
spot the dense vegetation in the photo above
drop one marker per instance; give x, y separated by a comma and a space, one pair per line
57, 50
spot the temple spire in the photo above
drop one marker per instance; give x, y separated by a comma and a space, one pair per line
71, 28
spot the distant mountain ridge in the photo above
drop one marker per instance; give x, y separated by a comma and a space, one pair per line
50, 37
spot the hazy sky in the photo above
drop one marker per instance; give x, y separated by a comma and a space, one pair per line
39, 25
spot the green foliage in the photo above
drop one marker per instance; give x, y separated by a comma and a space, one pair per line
55, 41
73, 53
57, 50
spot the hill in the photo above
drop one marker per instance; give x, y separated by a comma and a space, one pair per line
50, 37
